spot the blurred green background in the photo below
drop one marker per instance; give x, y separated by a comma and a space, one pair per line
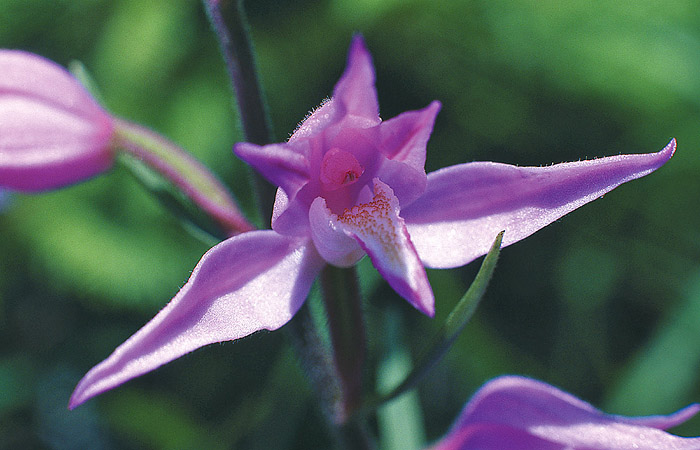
604, 303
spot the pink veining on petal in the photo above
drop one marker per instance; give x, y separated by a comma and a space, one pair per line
374, 219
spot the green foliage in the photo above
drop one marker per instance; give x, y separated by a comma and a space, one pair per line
603, 304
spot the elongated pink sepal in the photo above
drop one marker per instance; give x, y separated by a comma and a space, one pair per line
253, 281
465, 206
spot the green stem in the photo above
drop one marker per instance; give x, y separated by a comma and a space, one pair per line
230, 25
400, 422
319, 367
315, 359
339, 386
341, 297
183, 171
354, 435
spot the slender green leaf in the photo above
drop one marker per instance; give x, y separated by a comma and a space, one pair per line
455, 323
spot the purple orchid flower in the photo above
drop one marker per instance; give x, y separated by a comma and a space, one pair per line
350, 185
52, 132
517, 413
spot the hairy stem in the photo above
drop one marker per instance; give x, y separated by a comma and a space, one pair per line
342, 301
229, 23
186, 173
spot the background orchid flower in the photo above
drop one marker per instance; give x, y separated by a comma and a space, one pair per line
351, 184
52, 132
517, 413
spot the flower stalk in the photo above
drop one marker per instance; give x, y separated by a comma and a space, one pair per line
354, 435
340, 289
315, 360
345, 320
185, 172
229, 22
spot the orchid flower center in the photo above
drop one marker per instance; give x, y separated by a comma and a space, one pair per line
339, 169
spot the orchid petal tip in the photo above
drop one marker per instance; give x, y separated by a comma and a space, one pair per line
357, 40
670, 147
74, 402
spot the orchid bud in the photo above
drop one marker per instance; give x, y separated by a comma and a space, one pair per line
52, 132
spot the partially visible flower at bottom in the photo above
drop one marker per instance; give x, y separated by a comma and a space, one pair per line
518, 413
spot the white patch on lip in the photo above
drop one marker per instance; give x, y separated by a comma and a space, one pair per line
377, 224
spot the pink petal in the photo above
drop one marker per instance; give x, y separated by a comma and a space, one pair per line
465, 206
664, 422
253, 281
518, 407
489, 436
354, 101
404, 138
52, 133
380, 231
355, 90
284, 165
407, 183
326, 114
31, 75
290, 218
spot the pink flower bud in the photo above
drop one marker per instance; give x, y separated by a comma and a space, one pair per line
52, 132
